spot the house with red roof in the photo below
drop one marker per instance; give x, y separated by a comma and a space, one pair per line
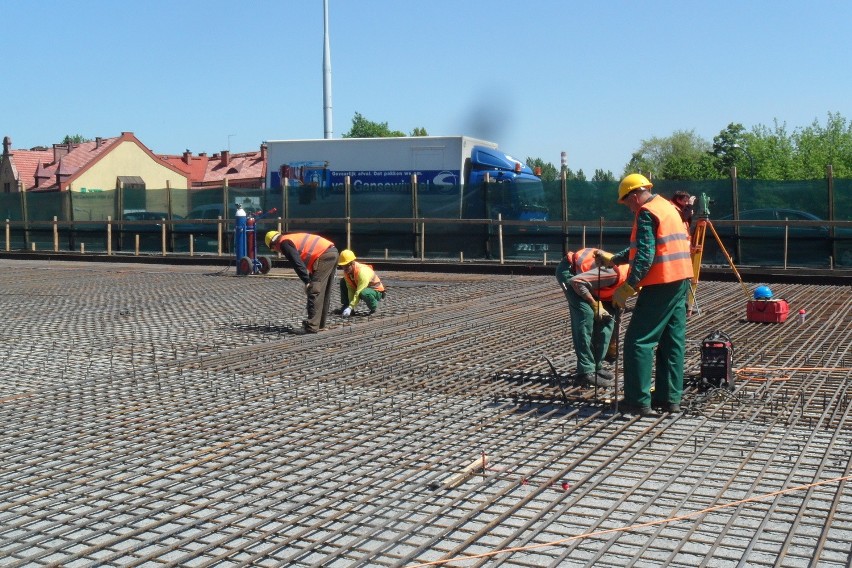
245, 170
99, 165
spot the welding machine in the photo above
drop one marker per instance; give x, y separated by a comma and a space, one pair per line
717, 362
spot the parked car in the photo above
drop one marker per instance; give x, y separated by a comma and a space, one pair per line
763, 244
142, 215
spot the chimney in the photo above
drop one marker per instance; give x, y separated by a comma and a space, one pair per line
187, 157
226, 158
263, 152
202, 154
98, 141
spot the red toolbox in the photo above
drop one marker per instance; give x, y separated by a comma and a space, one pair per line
767, 311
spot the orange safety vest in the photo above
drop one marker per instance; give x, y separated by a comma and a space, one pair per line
672, 261
621, 270
310, 247
583, 260
352, 279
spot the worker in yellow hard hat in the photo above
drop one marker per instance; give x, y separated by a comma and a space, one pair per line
359, 282
314, 259
660, 273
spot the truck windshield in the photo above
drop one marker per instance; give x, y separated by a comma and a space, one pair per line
521, 199
531, 205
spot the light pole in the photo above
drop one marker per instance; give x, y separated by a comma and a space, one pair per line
750, 159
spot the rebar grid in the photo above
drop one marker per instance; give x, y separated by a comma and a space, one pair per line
165, 416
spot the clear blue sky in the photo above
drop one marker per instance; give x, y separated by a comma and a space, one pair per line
538, 77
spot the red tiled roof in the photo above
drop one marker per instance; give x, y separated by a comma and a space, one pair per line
194, 169
243, 168
28, 162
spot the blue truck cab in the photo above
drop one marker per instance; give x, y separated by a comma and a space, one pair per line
513, 190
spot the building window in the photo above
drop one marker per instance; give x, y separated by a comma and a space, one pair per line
7, 187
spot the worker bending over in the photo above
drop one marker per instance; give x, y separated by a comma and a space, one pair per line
660, 273
359, 282
314, 259
589, 293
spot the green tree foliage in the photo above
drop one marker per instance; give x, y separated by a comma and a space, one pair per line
548, 170
75, 139
773, 152
601, 175
419, 131
818, 146
363, 128
673, 157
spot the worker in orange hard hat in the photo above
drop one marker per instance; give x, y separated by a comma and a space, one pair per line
314, 259
660, 273
359, 282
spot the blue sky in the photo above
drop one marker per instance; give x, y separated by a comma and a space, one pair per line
538, 77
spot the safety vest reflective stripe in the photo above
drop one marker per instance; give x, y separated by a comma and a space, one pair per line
672, 261
582, 260
310, 247
621, 271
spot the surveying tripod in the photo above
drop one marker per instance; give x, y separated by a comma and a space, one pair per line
696, 250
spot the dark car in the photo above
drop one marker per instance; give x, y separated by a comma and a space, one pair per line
149, 216
807, 241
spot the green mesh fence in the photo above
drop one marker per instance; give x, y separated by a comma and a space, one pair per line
539, 221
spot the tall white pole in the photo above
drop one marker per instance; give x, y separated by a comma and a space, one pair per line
326, 73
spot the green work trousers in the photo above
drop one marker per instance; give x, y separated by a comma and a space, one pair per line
590, 337
368, 296
658, 321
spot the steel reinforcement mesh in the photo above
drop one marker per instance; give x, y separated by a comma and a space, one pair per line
166, 416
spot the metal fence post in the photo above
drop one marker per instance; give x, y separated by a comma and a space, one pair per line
500, 234
347, 188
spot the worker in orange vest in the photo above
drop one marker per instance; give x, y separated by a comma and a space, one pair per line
589, 293
359, 282
660, 273
314, 259
685, 205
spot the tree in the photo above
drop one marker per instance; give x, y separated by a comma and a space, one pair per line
818, 146
671, 157
548, 170
363, 128
75, 139
723, 147
601, 175
419, 131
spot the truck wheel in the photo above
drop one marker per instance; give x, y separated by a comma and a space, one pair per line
265, 264
244, 266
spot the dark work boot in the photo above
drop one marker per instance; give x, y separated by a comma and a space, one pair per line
593, 379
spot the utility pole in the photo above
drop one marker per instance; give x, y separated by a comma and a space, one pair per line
326, 73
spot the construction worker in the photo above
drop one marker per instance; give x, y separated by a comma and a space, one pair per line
589, 293
359, 282
314, 259
660, 273
684, 203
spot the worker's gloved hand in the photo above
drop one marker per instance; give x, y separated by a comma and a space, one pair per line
622, 293
308, 287
603, 258
600, 312
347, 311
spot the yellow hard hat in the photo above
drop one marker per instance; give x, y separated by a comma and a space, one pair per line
631, 182
270, 236
346, 256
